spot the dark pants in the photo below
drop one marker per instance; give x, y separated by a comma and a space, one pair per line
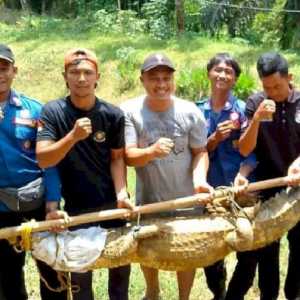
292, 283
118, 282
12, 285
216, 279
118, 278
267, 259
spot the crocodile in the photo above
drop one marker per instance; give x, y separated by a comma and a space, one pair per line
190, 242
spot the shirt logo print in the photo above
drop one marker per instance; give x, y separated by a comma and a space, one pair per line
99, 136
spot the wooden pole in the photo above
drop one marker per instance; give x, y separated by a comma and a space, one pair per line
190, 201
267, 184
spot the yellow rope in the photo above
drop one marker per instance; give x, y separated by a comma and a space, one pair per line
26, 229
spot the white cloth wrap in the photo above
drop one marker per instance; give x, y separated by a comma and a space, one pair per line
70, 251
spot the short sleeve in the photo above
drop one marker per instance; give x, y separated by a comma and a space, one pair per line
47, 129
198, 133
116, 133
243, 119
250, 108
131, 136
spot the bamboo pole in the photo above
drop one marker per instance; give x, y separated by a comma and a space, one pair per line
267, 184
190, 201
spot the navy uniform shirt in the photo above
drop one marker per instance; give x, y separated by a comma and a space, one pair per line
18, 165
278, 142
225, 160
85, 171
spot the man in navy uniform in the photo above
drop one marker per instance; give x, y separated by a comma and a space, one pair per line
274, 136
19, 169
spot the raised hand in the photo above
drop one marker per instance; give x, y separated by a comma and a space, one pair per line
162, 147
82, 129
224, 130
265, 111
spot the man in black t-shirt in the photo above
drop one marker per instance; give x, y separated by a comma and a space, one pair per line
84, 137
273, 134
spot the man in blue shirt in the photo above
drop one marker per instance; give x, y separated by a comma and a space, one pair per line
225, 117
18, 167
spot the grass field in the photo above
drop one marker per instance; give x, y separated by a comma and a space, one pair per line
40, 59
40, 53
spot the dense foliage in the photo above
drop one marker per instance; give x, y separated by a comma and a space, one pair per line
255, 21
193, 83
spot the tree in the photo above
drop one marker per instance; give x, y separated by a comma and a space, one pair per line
25, 5
291, 26
179, 6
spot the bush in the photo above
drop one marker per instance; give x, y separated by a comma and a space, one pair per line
160, 22
245, 86
126, 69
192, 84
236, 22
123, 21
129, 23
269, 27
104, 21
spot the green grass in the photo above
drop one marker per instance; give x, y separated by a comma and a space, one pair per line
40, 48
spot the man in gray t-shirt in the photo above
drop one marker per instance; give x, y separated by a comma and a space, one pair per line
166, 143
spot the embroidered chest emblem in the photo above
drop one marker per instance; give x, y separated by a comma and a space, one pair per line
99, 136
235, 118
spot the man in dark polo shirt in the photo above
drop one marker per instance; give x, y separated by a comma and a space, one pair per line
273, 133
84, 137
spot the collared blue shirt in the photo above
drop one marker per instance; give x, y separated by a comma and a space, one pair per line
18, 164
225, 160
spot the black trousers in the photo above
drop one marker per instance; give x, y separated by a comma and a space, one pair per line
216, 279
267, 259
118, 278
12, 284
118, 283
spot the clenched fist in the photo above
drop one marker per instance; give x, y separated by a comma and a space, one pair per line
224, 130
162, 147
82, 129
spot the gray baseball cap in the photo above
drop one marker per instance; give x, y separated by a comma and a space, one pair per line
155, 60
6, 53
